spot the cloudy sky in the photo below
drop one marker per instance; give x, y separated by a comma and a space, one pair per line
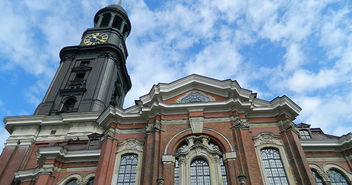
302, 49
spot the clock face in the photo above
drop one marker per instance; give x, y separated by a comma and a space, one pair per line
95, 38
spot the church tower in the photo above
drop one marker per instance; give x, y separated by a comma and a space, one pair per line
92, 75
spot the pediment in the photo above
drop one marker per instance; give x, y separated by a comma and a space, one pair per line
196, 89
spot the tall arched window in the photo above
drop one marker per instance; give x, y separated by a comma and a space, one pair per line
199, 161
177, 173
223, 172
336, 178
199, 172
317, 178
273, 168
68, 105
128, 170
72, 182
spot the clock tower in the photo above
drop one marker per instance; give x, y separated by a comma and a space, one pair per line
92, 75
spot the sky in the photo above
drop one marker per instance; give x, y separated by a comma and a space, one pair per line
302, 49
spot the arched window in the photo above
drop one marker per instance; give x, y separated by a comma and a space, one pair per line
68, 105
317, 178
223, 172
273, 168
90, 181
199, 172
199, 161
336, 178
72, 182
177, 173
128, 170
106, 20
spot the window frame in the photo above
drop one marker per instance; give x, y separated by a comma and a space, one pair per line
269, 140
304, 137
128, 146
194, 151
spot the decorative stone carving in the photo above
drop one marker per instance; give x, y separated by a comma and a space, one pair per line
130, 144
160, 181
198, 143
265, 138
194, 97
289, 126
196, 124
240, 123
242, 179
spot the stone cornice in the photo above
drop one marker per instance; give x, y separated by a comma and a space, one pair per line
60, 154
342, 144
20, 121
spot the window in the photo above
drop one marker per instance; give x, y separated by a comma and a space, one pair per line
117, 22
198, 161
72, 182
177, 174
273, 167
199, 172
84, 63
336, 178
94, 144
68, 105
106, 19
304, 134
223, 172
90, 181
128, 170
80, 76
317, 178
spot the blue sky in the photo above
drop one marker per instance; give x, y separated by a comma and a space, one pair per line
302, 49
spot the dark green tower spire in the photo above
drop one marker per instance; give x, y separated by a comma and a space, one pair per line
93, 75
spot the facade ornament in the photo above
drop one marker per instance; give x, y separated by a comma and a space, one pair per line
240, 123
242, 179
266, 138
289, 126
160, 181
194, 97
198, 144
109, 134
196, 124
130, 144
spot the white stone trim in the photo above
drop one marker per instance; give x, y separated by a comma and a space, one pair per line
132, 146
198, 147
182, 131
269, 140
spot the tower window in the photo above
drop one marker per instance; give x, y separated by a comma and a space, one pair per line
68, 105
80, 76
117, 22
72, 182
106, 20
125, 30
84, 63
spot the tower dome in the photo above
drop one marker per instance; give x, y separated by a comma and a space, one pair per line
113, 16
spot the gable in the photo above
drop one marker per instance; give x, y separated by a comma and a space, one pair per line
194, 96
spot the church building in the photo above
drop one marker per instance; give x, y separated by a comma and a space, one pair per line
193, 131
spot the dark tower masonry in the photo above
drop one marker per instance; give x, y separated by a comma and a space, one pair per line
93, 75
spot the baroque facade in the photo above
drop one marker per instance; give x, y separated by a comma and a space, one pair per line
195, 130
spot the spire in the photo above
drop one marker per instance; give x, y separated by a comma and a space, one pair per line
120, 1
